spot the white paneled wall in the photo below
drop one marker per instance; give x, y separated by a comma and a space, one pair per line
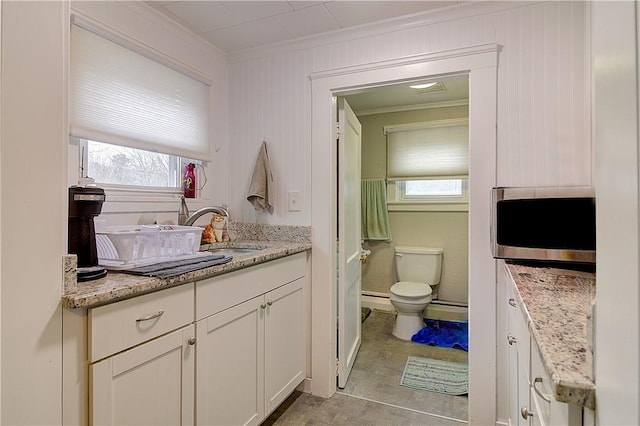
544, 114
543, 95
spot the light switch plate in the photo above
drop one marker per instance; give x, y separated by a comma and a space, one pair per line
294, 201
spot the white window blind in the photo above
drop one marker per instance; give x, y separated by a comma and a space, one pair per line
121, 97
438, 149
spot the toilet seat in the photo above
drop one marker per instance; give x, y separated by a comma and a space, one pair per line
410, 289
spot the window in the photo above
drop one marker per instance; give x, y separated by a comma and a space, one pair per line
136, 115
432, 191
428, 162
117, 165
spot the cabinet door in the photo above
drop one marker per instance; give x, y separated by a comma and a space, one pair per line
285, 348
519, 345
230, 369
549, 411
149, 384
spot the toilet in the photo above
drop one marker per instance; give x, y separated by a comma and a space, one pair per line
418, 269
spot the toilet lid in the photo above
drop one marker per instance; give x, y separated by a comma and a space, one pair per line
410, 289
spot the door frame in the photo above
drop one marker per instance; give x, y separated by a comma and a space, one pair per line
480, 62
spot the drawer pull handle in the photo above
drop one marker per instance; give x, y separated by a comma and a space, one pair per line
191, 341
150, 316
525, 413
511, 339
512, 302
541, 394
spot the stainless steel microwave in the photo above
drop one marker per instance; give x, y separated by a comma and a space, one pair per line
544, 224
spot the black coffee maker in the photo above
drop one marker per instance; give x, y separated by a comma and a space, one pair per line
85, 203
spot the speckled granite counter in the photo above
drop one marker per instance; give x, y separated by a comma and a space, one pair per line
557, 302
274, 242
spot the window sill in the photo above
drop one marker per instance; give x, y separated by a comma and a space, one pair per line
427, 207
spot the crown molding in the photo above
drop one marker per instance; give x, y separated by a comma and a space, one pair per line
415, 107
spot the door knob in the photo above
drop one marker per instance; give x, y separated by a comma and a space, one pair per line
525, 413
364, 254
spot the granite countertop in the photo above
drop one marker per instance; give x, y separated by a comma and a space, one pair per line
118, 286
557, 303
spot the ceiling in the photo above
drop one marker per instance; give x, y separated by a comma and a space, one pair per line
400, 97
239, 24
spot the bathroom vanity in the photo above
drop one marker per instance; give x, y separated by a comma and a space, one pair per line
550, 372
222, 345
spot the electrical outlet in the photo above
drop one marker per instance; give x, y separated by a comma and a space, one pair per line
294, 201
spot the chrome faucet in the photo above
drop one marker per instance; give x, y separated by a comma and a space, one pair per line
186, 219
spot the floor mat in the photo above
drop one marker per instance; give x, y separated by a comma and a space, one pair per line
446, 334
435, 375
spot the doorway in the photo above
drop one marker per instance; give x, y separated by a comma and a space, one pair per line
480, 62
423, 213
436, 221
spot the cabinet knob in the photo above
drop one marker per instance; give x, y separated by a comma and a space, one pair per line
511, 339
525, 413
269, 303
191, 341
263, 306
512, 302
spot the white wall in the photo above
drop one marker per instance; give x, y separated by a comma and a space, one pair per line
543, 94
33, 204
617, 329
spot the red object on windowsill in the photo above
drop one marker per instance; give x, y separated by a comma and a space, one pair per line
189, 181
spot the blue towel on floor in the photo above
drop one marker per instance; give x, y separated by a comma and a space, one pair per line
446, 334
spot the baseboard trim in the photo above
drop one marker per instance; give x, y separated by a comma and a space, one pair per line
433, 311
305, 386
377, 302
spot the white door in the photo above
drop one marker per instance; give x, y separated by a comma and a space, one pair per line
349, 247
284, 345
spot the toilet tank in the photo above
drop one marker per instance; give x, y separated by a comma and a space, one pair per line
418, 264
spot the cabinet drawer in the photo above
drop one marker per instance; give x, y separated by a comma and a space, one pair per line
121, 325
222, 292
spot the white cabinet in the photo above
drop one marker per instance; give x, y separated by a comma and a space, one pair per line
151, 384
519, 349
230, 370
251, 355
531, 400
226, 350
284, 343
141, 371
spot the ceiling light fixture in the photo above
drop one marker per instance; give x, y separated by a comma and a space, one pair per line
423, 86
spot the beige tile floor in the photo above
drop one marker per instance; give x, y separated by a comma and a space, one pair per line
373, 395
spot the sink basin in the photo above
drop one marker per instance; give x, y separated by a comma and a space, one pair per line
234, 251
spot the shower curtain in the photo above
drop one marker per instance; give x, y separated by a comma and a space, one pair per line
375, 216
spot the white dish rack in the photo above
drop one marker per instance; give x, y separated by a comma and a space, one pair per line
133, 245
